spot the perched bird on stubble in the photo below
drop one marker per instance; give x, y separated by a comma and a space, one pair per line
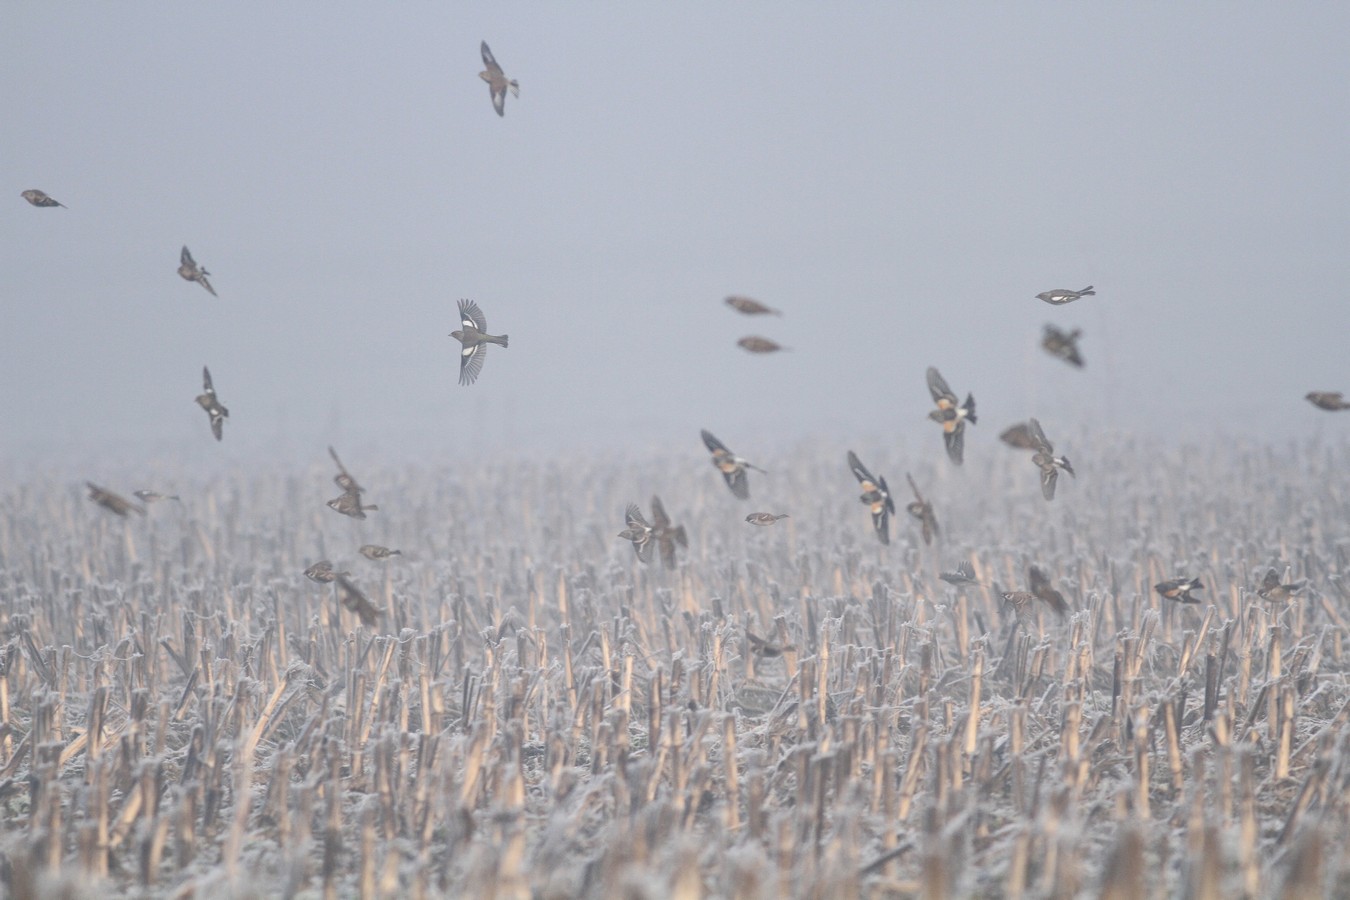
39, 198
666, 533
188, 268
750, 306
1328, 400
1046, 461
1063, 345
153, 496
876, 496
949, 415
377, 553
1179, 589
1060, 296
497, 81
763, 518
638, 531
1272, 590
349, 504
922, 510
1041, 587
473, 338
351, 597
730, 465
756, 344
113, 503
207, 401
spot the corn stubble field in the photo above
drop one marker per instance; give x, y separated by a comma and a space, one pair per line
538, 714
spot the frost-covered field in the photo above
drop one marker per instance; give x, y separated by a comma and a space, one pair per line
539, 714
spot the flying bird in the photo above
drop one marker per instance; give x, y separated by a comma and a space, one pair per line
1063, 344
750, 306
1272, 590
474, 340
922, 510
189, 269
730, 465
377, 553
951, 416
113, 503
153, 496
876, 496
1018, 436
1021, 602
207, 401
1328, 400
767, 649
1179, 589
38, 198
760, 345
666, 534
638, 531
353, 599
322, 572
964, 574
1046, 461
1060, 296
763, 518
1040, 586
497, 81
349, 504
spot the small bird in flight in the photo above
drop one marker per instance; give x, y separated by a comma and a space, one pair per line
1179, 589
1018, 436
207, 401
638, 531
1328, 400
1040, 586
377, 553
1021, 602
763, 518
189, 269
1060, 296
666, 533
876, 496
760, 345
767, 649
952, 417
474, 340
1046, 461
153, 496
1063, 345
353, 599
497, 81
349, 504
750, 306
964, 574
113, 503
1272, 590
922, 510
38, 198
322, 572
730, 465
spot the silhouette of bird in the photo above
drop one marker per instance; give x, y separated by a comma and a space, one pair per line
1272, 590
730, 465
322, 572
353, 599
1021, 603
1328, 400
964, 574
113, 503
189, 269
760, 345
1179, 589
1046, 461
666, 534
473, 338
1060, 296
922, 510
497, 81
767, 649
750, 306
153, 496
38, 198
949, 415
763, 518
1018, 436
207, 401
1040, 586
876, 496
638, 531
377, 553
1063, 345
349, 504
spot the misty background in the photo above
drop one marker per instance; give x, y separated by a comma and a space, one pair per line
901, 181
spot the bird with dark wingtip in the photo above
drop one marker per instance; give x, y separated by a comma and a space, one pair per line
40, 198
1018, 436
351, 597
1045, 592
964, 574
876, 496
922, 510
763, 518
1328, 400
112, 502
349, 504
1060, 296
756, 344
951, 416
188, 268
750, 307
1272, 590
1046, 460
1179, 589
638, 532
1063, 344
473, 339
730, 465
497, 81
207, 401
666, 533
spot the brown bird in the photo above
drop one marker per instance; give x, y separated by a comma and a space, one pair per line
666, 534
638, 531
1272, 590
767, 649
1328, 400
377, 553
353, 599
1021, 602
207, 401
497, 81
1018, 436
1040, 586
322, 572
922, 510
349, 504
188, 268
113, 503
949, 415
1046, 460
1179, 589
1063, 345
730, 465
750, 306
876, 496
38, 198
760, 345
763, 518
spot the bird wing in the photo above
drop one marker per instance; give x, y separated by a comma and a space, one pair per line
471, 362
217, 425
956, 442
859, 470
659, 517
206, 383
471, 316
713, 443
1038, 435
938, 388
1048, 478
489, 60
186, 257
1271, 581
914, 487
633, 516
738, 482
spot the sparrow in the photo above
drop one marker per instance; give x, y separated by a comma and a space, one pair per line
322, 572
497, 81
666, 534
763, 518
922, 510
343, 478
378, 553
474, 340
349, 504
114, 503
1021, 602
1272, 590
750, 306
952, 417
876, 496
1063, 345
964, 574
38, 198
1328, 400
1040, 586
638, 531
153, 496
760, 647
760, 345
730, 465
351, 597
1046, 461
1018, 436
1179, 589
1060, 296
207, 401
189, 269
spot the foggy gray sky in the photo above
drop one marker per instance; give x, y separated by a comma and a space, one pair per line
900, 181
